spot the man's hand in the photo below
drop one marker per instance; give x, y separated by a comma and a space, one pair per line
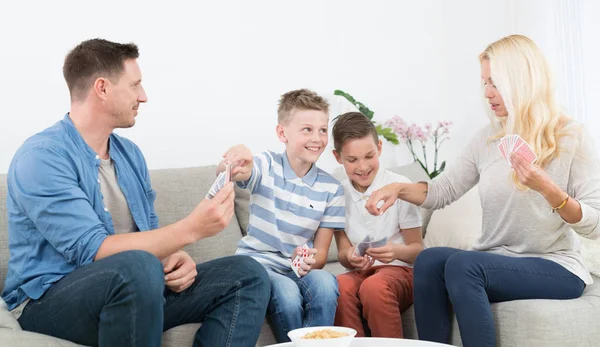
241, 160
308, 262
212, 215
385, 254
180, 270
361, 263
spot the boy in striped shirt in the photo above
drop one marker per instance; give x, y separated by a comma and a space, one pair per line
293, 203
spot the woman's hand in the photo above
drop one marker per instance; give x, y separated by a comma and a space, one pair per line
530, 175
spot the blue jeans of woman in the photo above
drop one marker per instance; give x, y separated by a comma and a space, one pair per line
122, 300
307, 301
470, 281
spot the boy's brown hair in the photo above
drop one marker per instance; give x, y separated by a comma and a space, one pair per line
352, 125
95, 58
301, 99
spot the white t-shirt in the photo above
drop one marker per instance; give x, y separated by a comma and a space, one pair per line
359, 222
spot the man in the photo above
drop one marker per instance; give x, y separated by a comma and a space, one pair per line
86, 249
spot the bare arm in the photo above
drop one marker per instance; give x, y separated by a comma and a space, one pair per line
413, 245
207, 219
415, 193
343, 246
322, 242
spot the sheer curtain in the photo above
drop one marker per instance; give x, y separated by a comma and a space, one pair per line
570, 59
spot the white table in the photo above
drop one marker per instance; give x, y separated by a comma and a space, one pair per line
379, 342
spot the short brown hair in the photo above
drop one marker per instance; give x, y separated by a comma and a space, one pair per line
301, 99
352, 125
95, 58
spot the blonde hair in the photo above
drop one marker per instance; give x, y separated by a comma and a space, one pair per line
523, 78
301, 99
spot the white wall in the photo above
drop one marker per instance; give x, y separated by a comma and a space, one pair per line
214, 70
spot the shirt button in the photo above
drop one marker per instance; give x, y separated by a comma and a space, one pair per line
98, 180
105, 209
97, 156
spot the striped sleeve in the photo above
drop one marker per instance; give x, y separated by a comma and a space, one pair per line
261, 164
334, 216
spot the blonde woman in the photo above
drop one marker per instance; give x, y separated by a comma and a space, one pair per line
532, 214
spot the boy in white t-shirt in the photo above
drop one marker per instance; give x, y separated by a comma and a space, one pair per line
380, 285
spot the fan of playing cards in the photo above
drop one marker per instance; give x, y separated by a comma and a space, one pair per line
367, 243
223, 178
515, 144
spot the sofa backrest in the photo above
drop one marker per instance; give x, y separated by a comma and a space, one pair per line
178, 192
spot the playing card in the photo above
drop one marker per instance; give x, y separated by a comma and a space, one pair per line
378, 243
299, 259
515, 144
367, 243
502, 150
216, 186
525, 151
227, 173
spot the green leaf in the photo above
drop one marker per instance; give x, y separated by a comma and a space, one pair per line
361, 107
345, 95
392, 138
442, 167
423, 166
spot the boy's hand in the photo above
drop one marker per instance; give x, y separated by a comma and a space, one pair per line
308, 262
180, 270
385, 254
361, 263
212, 215
241, 160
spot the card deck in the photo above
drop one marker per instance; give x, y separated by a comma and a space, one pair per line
299, 259
367, 243
223, 178
515, 144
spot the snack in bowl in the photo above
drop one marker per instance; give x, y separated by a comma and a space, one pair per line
322, 336
325, 334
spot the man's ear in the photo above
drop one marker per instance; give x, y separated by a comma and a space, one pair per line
337, 156
281, 133
100, 85
379, 147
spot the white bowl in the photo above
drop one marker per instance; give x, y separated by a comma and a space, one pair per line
297, 334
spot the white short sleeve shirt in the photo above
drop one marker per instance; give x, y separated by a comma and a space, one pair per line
359, 222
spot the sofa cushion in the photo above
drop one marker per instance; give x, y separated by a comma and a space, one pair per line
183, 335
26, 338
178, 191
457, 225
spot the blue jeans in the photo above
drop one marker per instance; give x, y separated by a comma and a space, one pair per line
307, 301
122, 300
471, 281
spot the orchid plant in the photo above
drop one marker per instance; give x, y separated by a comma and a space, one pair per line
396, 129
414, 136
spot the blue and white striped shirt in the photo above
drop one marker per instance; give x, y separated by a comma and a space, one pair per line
286, 211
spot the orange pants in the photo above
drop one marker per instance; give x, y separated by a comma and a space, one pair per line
376, 297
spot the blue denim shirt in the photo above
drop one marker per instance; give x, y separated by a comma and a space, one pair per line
56, 215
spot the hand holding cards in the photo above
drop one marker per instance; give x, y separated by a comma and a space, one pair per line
300, 258
515, 144
367, 243
223, 178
